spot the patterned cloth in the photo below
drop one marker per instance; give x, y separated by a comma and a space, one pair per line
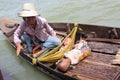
80, 51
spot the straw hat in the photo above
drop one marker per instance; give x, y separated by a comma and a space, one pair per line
28, 10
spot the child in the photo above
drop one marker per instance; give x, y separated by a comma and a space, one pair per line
80, 51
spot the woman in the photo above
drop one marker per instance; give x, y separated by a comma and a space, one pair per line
34, 29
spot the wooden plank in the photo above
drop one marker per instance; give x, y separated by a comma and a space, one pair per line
61, 33
117, 41
104, 47
96, 66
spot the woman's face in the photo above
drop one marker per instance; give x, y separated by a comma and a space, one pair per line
30, 20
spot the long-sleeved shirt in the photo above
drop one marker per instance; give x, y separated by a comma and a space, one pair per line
41, 31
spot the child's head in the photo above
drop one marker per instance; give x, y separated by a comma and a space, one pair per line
67, 41
63, 64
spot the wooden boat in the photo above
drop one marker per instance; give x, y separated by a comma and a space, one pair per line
104, 43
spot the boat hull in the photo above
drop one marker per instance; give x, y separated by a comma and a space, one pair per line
97, 66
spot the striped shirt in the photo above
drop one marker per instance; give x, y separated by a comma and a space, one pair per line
41, 31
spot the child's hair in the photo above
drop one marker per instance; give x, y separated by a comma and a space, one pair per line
63, 64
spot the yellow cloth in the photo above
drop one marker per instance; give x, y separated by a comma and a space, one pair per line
55, 54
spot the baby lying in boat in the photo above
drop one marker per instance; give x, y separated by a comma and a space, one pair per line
80, 51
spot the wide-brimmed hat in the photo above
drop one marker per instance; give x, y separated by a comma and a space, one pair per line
28, 10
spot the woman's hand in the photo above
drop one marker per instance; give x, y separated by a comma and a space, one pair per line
19, 47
